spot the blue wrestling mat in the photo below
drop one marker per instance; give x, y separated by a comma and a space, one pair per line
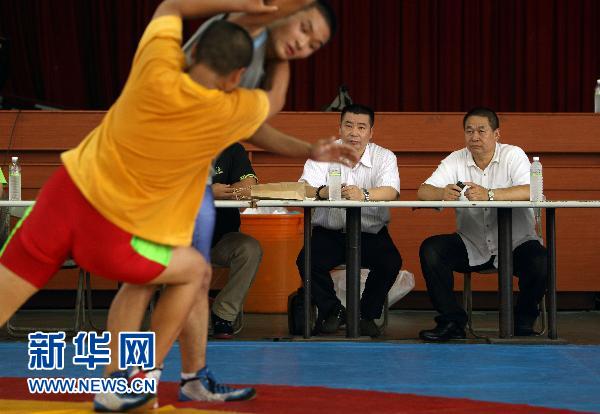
554, 376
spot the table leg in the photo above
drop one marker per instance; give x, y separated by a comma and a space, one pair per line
307, 264
551, 291
353, 271
505, 272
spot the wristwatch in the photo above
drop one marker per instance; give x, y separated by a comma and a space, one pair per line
317, 195
366, 194
491, 195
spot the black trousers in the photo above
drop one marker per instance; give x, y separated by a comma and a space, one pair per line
441, 255
378, 254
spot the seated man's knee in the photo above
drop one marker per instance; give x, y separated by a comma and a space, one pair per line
250, 248
428, 251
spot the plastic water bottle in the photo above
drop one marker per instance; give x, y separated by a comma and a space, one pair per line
597, 97
536, 185
14, 180
334, 182
536, 191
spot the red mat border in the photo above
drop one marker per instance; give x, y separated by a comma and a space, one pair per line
300, 400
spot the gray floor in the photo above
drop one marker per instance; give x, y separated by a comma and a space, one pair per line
579, 327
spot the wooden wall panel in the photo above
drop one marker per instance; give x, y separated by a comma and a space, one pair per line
568, 144
442, 132
7, 125
53, 130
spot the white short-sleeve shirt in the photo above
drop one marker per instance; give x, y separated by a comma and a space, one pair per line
378, 167
478, 227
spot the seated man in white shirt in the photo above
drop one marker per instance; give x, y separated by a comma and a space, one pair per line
374, 177
491, 171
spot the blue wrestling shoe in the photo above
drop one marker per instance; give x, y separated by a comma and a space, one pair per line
112, 402
204, 387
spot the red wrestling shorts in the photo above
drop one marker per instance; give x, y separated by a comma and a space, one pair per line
63, 224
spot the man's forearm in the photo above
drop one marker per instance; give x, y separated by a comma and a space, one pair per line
276, 84
254, 23
385, 193
430, 193
244, 187
246, 182
516, 193
311, 192
269, 138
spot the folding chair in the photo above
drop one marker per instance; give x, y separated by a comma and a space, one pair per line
83, 308
468, 305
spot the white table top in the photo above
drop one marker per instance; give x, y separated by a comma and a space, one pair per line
430, 204
392, 204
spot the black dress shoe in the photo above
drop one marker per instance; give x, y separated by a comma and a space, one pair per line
444, 331
334, 320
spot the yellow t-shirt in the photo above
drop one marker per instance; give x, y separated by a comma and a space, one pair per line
145, 166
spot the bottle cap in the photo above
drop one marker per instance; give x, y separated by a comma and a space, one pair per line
15, 159
536, 158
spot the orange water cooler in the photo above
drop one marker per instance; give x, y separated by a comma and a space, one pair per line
281, 239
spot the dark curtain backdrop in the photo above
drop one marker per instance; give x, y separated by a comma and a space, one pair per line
397, 55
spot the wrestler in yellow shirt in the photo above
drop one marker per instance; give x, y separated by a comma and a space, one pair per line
158, 139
